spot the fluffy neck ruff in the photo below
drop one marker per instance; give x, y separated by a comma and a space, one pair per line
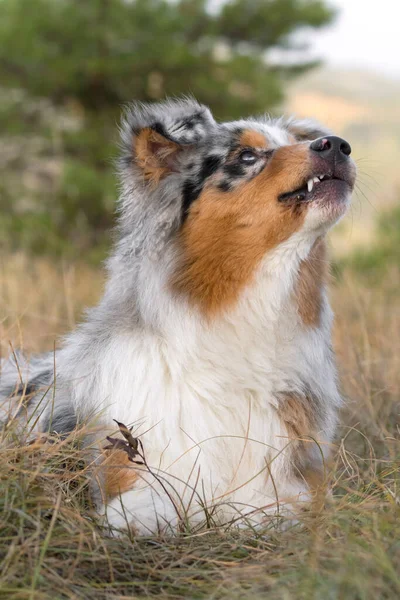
290, 277
154, 344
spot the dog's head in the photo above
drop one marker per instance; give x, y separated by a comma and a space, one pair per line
227, 194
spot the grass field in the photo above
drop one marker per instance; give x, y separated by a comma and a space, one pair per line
51, 546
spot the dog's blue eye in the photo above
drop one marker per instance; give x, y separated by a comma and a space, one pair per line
248, 157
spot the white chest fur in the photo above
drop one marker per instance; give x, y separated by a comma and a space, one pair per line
203, 396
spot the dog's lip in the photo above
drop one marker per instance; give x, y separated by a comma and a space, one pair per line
304, 193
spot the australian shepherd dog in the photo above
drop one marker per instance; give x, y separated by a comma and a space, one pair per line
211, 346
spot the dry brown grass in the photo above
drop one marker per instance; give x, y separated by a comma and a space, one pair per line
41, 300
51, 546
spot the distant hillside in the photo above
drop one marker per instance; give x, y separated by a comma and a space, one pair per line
365, 109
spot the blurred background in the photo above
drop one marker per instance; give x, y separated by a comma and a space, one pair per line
68, 66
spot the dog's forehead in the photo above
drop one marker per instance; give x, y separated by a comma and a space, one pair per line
275, 135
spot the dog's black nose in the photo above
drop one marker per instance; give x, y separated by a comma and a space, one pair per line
331, 147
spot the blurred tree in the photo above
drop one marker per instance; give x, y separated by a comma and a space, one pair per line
87, 57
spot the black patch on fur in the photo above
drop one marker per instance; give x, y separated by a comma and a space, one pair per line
192, 120
210, 165
34, 385
159, 128
22, 389
42, 381
193, 188
61, 423
225, 186
191, 191
187, 123
234, 170
237, 132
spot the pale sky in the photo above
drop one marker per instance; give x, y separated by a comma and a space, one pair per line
365, 34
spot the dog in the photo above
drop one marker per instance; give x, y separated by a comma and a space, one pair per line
213, 336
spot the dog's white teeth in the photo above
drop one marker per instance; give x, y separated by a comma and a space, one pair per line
312, 181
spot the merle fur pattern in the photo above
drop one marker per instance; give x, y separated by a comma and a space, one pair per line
148, 220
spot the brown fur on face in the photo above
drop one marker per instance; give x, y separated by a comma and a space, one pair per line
252, 139
154, 154
227, 233
312, 275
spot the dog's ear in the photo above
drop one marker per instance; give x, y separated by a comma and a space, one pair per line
155, 136
305, 129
